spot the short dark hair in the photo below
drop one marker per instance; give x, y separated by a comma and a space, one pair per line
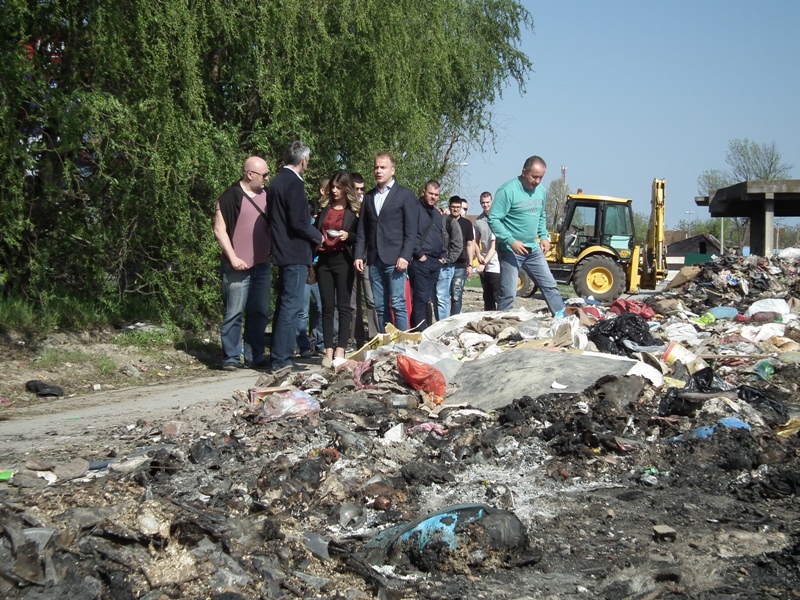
432, 183
486, 194
357, 177
454, 200
533, 160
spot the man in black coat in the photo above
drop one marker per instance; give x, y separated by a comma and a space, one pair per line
428, 255
293, 238
387, 233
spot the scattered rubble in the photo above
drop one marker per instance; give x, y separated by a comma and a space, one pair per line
642, 450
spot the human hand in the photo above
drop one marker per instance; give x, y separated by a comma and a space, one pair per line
238, 264
519, 248
402, 264
359, 265
545, 246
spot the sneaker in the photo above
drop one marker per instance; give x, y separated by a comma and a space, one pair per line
229, 366
306, 354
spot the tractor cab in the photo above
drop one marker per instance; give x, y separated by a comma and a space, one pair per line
597, 221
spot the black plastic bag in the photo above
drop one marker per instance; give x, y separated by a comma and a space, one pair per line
609, 334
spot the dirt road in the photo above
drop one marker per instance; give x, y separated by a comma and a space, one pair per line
51, 422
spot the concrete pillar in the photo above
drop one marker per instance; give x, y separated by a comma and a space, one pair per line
769, 224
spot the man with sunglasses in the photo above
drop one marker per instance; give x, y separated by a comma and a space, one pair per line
242, 232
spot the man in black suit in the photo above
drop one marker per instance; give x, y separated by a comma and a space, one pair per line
293, 238
387, 233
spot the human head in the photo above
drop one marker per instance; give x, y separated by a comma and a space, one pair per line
464, 207
486, 202
383, 168
297, 155
343, 182
358, 182
323, 185
430, 195
579, 192
532, 172
455, 206
255, 173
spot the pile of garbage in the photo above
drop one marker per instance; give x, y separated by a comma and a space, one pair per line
642, 449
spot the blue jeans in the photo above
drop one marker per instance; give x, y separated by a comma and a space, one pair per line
315, 318
244, 294
535, 265
443, 292
289, 306
389, 292
310, 316
457, 289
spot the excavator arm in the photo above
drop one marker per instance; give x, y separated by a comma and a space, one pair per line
654, 259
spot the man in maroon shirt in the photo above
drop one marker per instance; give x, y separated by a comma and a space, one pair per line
242, 232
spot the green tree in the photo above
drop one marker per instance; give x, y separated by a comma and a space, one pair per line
641, 221
747, 161
123, 122
556, 203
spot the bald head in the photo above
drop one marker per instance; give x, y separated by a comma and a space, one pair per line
254, 174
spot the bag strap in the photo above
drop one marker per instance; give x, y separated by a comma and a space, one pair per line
258, 208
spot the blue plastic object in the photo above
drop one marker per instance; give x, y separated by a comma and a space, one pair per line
448, 526
724, 312
705, 432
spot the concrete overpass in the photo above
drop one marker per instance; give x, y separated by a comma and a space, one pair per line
761, 202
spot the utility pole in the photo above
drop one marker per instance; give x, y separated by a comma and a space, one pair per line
563, 193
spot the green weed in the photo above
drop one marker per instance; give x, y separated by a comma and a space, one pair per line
105, 365
149, 338
53, 357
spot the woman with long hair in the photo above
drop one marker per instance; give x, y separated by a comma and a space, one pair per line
337, 221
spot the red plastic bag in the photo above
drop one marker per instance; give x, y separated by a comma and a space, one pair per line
620, 307
422, 377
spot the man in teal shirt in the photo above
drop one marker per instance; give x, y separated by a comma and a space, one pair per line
519, 223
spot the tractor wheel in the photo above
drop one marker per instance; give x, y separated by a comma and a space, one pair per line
525, 285
599, 277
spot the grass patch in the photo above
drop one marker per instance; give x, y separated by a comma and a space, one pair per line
53, 357
473, 282
149, 338
21, 316
105, 365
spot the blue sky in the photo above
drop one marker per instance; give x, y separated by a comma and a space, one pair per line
626, 91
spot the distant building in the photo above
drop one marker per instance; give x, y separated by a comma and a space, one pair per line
703, 244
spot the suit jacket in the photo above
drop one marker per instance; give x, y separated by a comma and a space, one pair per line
293, 235
349, 224
391, 235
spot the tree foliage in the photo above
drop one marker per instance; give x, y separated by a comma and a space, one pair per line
123, 122
747, 160
556, 203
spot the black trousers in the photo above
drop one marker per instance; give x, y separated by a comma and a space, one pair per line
423, 275
335, 275
491, 290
